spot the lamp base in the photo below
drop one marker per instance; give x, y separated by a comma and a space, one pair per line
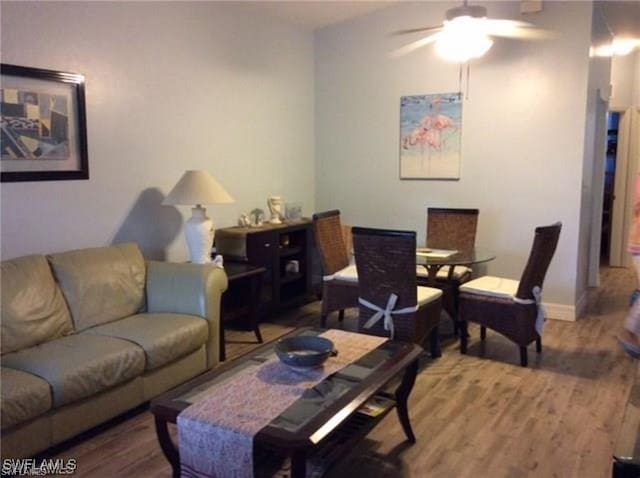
199, 231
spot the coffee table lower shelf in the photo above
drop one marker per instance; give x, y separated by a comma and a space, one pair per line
272, 463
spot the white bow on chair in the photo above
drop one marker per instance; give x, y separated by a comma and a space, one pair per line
218, 262
387, 313
542, 313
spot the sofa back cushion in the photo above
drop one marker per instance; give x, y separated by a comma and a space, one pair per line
101, 284
33, 309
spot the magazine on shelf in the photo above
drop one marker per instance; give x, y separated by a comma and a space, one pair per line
376, 406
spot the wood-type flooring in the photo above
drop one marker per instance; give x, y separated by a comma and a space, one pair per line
478, 415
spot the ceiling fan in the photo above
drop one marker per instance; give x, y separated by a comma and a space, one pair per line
467, 33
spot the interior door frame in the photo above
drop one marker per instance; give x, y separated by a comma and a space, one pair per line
597, 189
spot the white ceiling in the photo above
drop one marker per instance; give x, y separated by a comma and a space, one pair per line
623, 16
313, 14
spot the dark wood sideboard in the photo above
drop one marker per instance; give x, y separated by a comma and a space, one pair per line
274, 247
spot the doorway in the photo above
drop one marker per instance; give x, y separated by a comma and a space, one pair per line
627, 162
613, 122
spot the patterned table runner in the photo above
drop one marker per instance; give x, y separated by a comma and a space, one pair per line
215, 434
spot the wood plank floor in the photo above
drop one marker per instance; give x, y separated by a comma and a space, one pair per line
479, 415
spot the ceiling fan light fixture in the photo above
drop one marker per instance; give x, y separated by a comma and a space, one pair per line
463, 39
468, 33
474, 11
462, 49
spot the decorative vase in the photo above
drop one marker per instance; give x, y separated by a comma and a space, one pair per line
276, 208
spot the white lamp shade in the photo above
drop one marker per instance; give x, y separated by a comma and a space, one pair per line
197, 187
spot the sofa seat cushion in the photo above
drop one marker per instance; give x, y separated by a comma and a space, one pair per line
78, 366
163, 337
23, 396
101, 284
33, 309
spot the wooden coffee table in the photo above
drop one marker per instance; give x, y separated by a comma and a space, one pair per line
320, 427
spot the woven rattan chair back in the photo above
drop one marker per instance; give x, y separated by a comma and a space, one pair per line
386, 262
330, 241
452, 228
347, 237
544, 246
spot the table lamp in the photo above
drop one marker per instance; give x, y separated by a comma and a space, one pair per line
198, 188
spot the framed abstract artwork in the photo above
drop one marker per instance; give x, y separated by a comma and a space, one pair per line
430, 136
44, 131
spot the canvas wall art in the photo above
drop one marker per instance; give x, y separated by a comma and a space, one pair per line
430, 136
43, 125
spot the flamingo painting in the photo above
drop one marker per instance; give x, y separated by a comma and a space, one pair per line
430, 136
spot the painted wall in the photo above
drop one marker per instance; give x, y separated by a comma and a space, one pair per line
170, 87
636, 80
523, 131
625, 80
593, 170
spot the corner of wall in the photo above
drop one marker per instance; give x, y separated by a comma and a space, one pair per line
568, 313
597, 78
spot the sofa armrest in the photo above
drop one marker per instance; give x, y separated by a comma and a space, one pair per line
193, 289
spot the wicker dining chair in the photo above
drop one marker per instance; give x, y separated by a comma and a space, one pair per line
340, 279
509, 306
449, 228
386, 265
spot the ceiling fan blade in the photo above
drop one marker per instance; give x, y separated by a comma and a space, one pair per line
416, 30
499, 27
415, 45
525, 34
504, 23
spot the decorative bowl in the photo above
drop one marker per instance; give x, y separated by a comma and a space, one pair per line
304, 351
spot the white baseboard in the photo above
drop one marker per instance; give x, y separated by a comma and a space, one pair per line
570, 313
561, 312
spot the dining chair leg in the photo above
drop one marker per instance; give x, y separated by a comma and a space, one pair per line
464, 336
523, 356
341, 315
456, 311
539, 345
434, 343
483, 332
323, 321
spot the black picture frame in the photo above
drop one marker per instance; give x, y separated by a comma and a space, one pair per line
77, 119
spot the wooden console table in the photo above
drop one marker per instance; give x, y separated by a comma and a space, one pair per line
276, 247
241, 299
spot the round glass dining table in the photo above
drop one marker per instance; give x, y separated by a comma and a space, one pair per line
434, 261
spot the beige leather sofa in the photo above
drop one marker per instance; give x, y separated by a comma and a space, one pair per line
89, 334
